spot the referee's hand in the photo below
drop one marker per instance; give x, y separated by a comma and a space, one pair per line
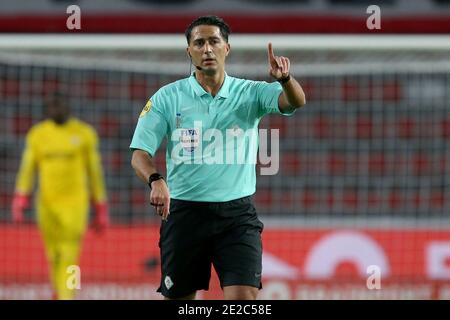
279, 66
160, 198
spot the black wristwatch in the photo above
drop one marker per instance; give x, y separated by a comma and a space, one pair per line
154, 177
285, 79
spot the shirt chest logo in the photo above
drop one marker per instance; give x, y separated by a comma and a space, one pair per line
190, 139
75, 140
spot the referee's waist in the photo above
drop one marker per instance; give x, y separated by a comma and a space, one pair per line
240, 199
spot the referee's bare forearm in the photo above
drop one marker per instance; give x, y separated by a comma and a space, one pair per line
142, 164
292, 96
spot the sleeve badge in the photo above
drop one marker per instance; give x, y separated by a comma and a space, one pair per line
146, 109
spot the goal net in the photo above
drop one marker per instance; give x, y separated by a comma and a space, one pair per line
359, 208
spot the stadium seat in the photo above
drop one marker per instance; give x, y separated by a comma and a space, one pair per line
364, 127
445, 128
321, 127
405, 127
290, 163
336, 164
377, 164
421, 164
137, 89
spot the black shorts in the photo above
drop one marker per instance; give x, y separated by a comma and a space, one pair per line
197, 235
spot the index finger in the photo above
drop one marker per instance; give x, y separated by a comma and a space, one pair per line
166, 208
270, 51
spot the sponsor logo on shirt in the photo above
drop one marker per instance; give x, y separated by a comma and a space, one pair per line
189, 139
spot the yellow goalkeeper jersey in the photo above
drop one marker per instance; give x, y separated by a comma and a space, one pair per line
67, 161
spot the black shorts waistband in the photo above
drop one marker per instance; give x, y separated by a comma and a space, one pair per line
245, 199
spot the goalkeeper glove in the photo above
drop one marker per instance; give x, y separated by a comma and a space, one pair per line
19, 204
101, 219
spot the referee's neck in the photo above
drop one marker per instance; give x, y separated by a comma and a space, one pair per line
211, 83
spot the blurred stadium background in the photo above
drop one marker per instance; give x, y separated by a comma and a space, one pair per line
364, 168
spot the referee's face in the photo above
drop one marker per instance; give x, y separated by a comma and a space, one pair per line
208, 49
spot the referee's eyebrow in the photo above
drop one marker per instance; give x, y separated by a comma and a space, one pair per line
210, 38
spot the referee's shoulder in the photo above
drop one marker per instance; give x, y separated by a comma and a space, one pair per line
174, 86
243, 84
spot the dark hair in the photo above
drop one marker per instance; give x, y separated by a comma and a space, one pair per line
54, 96
209, 21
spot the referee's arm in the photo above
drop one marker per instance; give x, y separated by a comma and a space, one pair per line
293, 96
142, 164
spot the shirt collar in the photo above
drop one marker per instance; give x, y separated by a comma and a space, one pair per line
198, 89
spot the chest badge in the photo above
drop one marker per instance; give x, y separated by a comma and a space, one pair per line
75, 140
190, 139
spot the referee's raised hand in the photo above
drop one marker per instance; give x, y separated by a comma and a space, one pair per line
160, 198
278, 66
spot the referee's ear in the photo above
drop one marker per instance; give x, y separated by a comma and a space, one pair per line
228, 49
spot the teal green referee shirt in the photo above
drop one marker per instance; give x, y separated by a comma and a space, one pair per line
212, 142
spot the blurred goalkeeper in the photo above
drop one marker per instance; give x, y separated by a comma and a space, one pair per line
63, 151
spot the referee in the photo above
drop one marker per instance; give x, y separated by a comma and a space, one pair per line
207, 214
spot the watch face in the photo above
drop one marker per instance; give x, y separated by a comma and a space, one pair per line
154, 177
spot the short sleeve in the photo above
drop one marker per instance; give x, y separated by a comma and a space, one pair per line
151, 127
267, 95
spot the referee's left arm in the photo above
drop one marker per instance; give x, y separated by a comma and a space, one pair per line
293, 96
